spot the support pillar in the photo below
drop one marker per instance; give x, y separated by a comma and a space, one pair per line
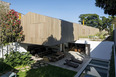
60, 47
63, 47
87, 49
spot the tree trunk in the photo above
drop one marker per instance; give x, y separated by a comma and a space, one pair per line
2, 52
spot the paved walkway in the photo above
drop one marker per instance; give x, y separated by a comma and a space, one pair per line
98, 49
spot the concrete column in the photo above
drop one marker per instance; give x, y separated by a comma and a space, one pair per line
60, 47
87, 49
63, 47
0, 52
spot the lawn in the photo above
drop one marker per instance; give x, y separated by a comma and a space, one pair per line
47, 71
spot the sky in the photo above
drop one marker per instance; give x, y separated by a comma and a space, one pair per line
68, 10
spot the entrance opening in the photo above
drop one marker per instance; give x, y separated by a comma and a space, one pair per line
81, 48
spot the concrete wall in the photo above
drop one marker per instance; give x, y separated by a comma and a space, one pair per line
44, 30
15, 47
6, 6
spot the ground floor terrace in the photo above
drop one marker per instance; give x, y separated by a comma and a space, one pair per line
59, 54
60, 63
84, 51
93, 58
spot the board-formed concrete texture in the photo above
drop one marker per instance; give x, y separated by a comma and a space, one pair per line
98, 49
6, 6
44, 30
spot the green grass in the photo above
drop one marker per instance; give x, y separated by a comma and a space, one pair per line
48, 71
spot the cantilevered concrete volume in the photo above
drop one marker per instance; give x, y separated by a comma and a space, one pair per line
44, 30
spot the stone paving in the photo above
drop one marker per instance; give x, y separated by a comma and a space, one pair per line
61, 62
38, 64
23, 69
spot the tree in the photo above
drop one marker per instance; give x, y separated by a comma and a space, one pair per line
89, 19
11, 28
94, 20
3, 12
109, 6
107, 23
114, 21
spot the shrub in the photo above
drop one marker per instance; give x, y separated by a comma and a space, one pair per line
111, 36
3, 66
101, 35
1, 59
16, 58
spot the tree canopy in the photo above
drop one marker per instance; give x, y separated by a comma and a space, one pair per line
96, 21
11, 30
109, 6
89, 19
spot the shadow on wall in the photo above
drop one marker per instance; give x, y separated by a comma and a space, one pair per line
66, 34
50, 41
67, 31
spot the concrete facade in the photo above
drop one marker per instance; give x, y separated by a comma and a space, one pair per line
5, 5
44, 30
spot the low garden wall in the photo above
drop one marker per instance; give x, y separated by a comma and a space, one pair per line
10, 47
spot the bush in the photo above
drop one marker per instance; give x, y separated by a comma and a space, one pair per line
3, 66
1, 59
101, 35
111, 36
16, 58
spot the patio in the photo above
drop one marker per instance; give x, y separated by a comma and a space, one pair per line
69, 54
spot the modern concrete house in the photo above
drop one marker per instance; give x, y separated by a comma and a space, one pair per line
47, 31
47, 35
